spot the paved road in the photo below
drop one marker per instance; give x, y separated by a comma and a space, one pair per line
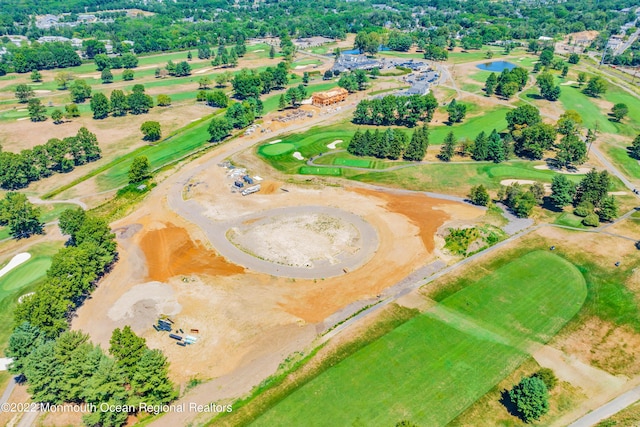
609, 409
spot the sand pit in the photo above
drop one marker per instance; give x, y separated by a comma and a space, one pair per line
300, 67
41, 91
89, 76
516, 181
569, 83
204, 70
15, 261
297, 240
298, 156
21, 109
23, 118
195, 120
259, 50
275, 141
577, 171
333, 144
141, 305
171, 252
617, 193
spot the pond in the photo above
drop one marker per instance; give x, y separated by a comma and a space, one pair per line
497, 66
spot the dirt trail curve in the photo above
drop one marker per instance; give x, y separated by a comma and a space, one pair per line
38, 201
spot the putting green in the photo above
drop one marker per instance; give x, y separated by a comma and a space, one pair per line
277, 149
25, 274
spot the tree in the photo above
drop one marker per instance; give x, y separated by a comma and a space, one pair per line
23, 340
305, 78
282, 103
568, 122
80, 91
139, 102
591, 220
534, 140
164, 100
448, 147
608, 209
129, 60
37, 111
619, 110
548, 89
272, 52
139, 170
571, 150
457, 111
119, 105
151, 131
546, 56
480, 147
36, 76
417, 147
204, 82
562, 190
127, 75
582, 78
62, 79
574, 58
20, 216
634, 150
71, 221
183, 69
537, 189
596, 87
565, 71
100, 106
496, 148
24, 93
219, 128
479, 195
106, 76
127, 348
150, 382
71, 110
328, 75
56, 116
593, 188
217, 98
106, 386
531, 398
524, 203
490, 84
523, 116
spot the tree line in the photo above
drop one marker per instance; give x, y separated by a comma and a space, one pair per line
396, 110
507, 84
390, 144
238, 115
118, 104
17, 170
250, 84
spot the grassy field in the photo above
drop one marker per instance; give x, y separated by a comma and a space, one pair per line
456, 178
470, 127
21, 280
461, 347
621, 159
572, 98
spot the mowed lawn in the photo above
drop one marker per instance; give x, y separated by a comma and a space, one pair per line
21, 280
470, 128
434, 366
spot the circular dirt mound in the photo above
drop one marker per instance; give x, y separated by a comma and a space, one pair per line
299, 240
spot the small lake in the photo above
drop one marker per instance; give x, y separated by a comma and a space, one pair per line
497, 66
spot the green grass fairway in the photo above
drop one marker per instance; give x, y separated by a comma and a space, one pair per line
456, 178
573, 99
434, 366
358, 163
277, 149
470, 127
620, 157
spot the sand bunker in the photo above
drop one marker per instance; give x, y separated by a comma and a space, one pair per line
89, 76
23, 118
142, 304
41, 91
259, 50
195, 120
617, 193
297, 240
204, 70
275, 141
516, 181
298, 156
171, 252
300, 67
577, 171
15, 261
333, 144
570, 82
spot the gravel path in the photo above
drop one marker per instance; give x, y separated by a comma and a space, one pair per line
38, 201
609, 409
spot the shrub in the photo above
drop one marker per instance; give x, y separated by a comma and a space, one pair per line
548, 377
591, 220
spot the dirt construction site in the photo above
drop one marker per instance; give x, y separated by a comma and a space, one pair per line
256, 278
